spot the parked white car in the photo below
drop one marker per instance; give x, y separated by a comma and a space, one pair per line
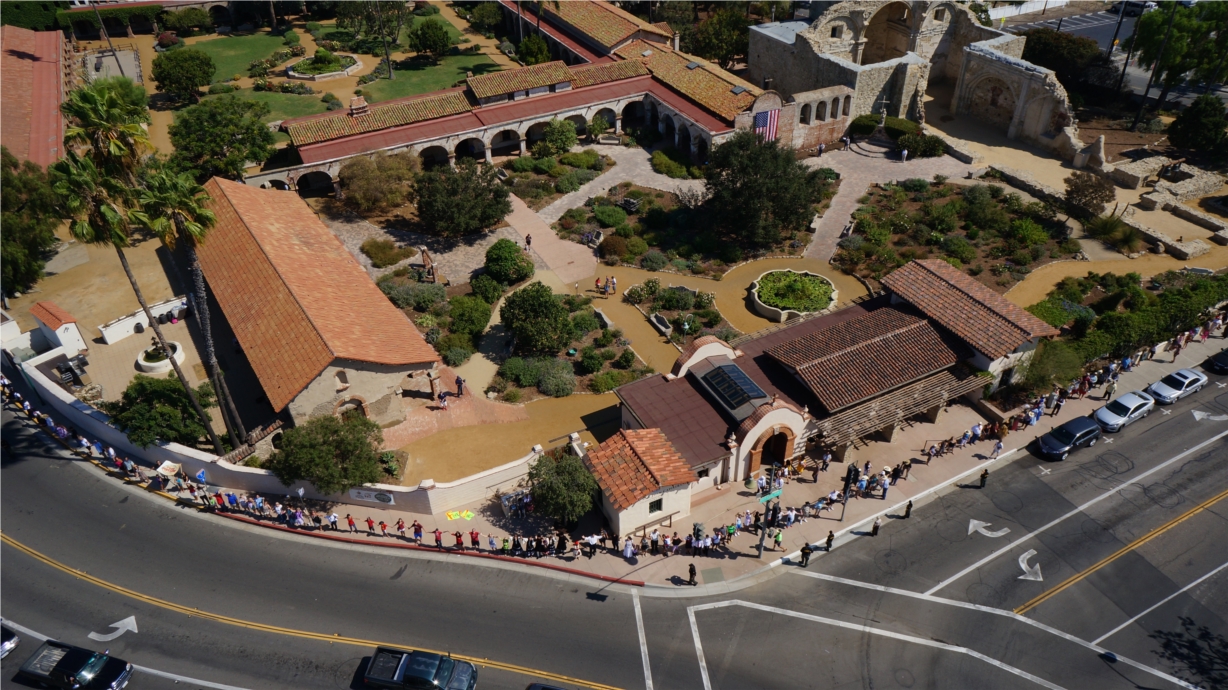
1177, 385
1128, 408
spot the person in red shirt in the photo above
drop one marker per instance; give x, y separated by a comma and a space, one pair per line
349, 519
417, 527
438, 538
370, 526
475, 538
460, 540
383, 527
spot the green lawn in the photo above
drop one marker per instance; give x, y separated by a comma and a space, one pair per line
423, 77
232, 54
283, 105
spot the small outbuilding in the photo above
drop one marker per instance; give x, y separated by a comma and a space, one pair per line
645, 482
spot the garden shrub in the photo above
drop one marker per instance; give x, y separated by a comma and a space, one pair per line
511, 395
609, 216
587, 159
705, 300
456, 356
897, 127
314, 28
506, 263
652, 286
958, 247
455, 341
675, 299
915, 185
607, 381
654, 260
542, 166
863, 125
290, 37
385, 252
1026, 233
636, 246
523, 164
524, 372
626, 360
469, 314
215, 89
557, 378
663, 163
584, 323
590, 361
635, 294
432, 336
486, 288
922, 145
795, 291
613, 246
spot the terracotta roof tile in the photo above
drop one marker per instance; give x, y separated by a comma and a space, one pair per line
635, 463
32, 83
403, 111
590, 75
51, 314
868, 355
981, 317
711, 88
605, 24
292, 294
523, 79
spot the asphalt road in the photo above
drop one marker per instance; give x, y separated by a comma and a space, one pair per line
261, 606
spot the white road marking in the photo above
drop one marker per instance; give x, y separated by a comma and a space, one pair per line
1076, 511
1164, 411
1200, 415
1221, 385
862, 628
639, 627
1108, 440
143, 669
978, 526
997, 612
1029, 573
699, 649
1045, 470
1158, 604
121, 627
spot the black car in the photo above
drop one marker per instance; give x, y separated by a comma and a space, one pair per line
1219, 362
60, 665
399, 668
1075, 434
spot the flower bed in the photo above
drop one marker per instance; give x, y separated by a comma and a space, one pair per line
784, 295
318, 69
686, 314
540, 181
997, 236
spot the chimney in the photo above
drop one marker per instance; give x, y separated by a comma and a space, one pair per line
677, 36
358, 106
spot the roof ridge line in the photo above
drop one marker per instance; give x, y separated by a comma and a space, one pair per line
976, 299
640, 457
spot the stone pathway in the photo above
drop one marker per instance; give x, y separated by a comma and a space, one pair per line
490, 46
859, 168
632, 164
569, 261
471, 409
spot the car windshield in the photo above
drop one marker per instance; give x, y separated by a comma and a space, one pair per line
1118, 408
1173, 382
445, 671
91, 668
1062, 435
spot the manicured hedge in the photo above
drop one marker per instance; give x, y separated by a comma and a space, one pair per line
123, 14
895, 127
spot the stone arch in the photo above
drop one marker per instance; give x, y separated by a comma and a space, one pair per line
633, 114
774, 447
670, 130
351, 403
278, 184
848, 105
652, 113
684, 138
991, 99
835, 108
536, 132
314, 182
580, 123
820, 111
611, 117
757, 430
889, 33
702, 149
220, 15
804, 116
433, 156
505, 143
471, 148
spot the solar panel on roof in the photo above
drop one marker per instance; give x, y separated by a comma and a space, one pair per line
733, 386
692, 65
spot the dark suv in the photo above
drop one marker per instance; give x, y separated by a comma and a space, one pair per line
1072, 435
399, 668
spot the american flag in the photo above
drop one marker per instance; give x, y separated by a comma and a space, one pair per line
765, 124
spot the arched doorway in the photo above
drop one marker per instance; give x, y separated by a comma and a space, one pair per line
471, 148
505, 143
609, 116
653, 117
684, 139
848, 105
701, 151
535, 133
433, 157
317, 183
888, 33
633, 114
670, 131
580, 123
220, 15
992, 100
278, 184
352, 405
774, 448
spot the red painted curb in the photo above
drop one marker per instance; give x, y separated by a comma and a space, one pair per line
429, 549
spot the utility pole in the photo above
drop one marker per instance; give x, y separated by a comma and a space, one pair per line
1172, 14
103, 30
384, 34
1113, 43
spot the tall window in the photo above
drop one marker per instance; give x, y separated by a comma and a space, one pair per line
805, 119
341, 380
656, 506
940, 15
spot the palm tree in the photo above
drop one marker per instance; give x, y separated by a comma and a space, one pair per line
172, 207
94, 205
96, 187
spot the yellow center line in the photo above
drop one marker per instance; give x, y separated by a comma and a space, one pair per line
1121, 552
228, 620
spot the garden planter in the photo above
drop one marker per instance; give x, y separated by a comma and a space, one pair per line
352, 69
782, 315
162, 366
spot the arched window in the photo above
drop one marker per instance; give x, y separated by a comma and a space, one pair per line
848, 105
805, 118
821, 111
341, 380
835, 107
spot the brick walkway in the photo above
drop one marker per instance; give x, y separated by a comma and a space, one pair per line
632, 164
571, 262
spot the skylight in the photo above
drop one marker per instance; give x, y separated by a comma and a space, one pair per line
646, 53
732, 386
738, 90
692, 65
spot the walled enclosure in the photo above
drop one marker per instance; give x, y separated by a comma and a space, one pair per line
343, 385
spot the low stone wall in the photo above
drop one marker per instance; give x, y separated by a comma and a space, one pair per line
1024, 181
1196, 182
783, 315
351, 70
1170, 204
1181, 250
1133, 175
125, 326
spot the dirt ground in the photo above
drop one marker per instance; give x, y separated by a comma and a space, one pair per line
1118, 139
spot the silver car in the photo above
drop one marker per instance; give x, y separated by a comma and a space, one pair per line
1177, 385
1128, 408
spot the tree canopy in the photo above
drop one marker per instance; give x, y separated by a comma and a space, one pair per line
758, 190
559, 136
723, 37
453, 202
153, 409
537, 318
430, 37
335, 455
219, 136
533, 50
487, 16
1197, 43
1201, 127
380, 181
182, 73
1087, 194
562, 487
1066, 54
506, 263
26, 203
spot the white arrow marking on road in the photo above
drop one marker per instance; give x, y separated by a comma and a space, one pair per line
1032, 573
978, 526
1200, 415
121, 627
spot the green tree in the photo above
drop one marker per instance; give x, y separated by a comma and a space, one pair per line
1201, 126
1054, 362
182, 73
538, 320
152, 410
507, 264
39, 16
26, 203
430, 37
463, 200
562, 487
1087, 194
109, 124
597, 126
723, 37
128, 91
486, 17
218, 136
334, 455
1066, 54
758, 190
173, 208
533, 50
560, 136
470, 315
1183, 52
380, 181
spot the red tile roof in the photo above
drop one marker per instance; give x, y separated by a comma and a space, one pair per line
713, 89
523, 79
981, 317
602, 22
292, 294
868, 355
589, 75
51, 314
31, 80
403, 111
547, 27
635, 463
